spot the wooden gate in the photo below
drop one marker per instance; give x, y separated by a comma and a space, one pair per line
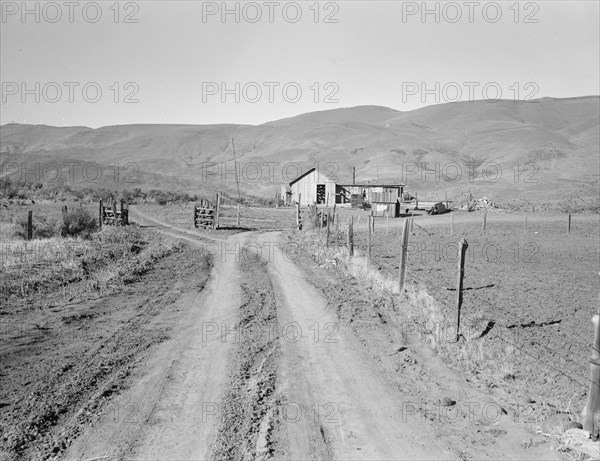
113, 216
205, 214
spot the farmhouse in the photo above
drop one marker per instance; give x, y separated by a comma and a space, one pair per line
314, 186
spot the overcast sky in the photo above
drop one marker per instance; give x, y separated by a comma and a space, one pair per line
171, 60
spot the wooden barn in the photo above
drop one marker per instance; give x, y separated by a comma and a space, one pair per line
316, 187
313, 186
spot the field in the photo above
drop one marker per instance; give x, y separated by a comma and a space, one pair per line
529, 289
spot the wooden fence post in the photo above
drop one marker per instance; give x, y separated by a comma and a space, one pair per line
446, 194
298, 217
337, 235
64, 212
100, 214
124, 213
569, 225
484, 221
451, 224
276, 201
216, 215
350, 238
369, 238
459, 289
373, 222
320, 218
405, 234
416, 201
238, 215
30, 225
591, 412
328, 227
525, 222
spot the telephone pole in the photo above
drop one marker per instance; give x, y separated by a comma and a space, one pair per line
237, 180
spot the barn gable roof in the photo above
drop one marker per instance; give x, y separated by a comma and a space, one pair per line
306, 174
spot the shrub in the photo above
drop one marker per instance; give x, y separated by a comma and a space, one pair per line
44, 227
78, 222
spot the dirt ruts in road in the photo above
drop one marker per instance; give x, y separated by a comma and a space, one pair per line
247, 412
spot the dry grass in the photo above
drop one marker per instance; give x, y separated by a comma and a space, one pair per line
77, 268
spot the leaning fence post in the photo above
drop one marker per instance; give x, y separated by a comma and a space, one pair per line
30, 225
591, 412
216, 215
459, 289
405, 234
350, 238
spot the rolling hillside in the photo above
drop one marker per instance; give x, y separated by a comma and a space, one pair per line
560, 136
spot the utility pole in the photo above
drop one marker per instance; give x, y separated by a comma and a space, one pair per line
237, 180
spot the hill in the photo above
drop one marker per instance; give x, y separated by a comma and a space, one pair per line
545, 150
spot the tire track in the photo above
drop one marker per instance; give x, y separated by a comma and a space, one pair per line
248, 406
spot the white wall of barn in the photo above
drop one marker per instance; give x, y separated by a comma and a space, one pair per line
307, 188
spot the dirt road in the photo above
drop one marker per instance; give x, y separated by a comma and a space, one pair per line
326, 401
344, 410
